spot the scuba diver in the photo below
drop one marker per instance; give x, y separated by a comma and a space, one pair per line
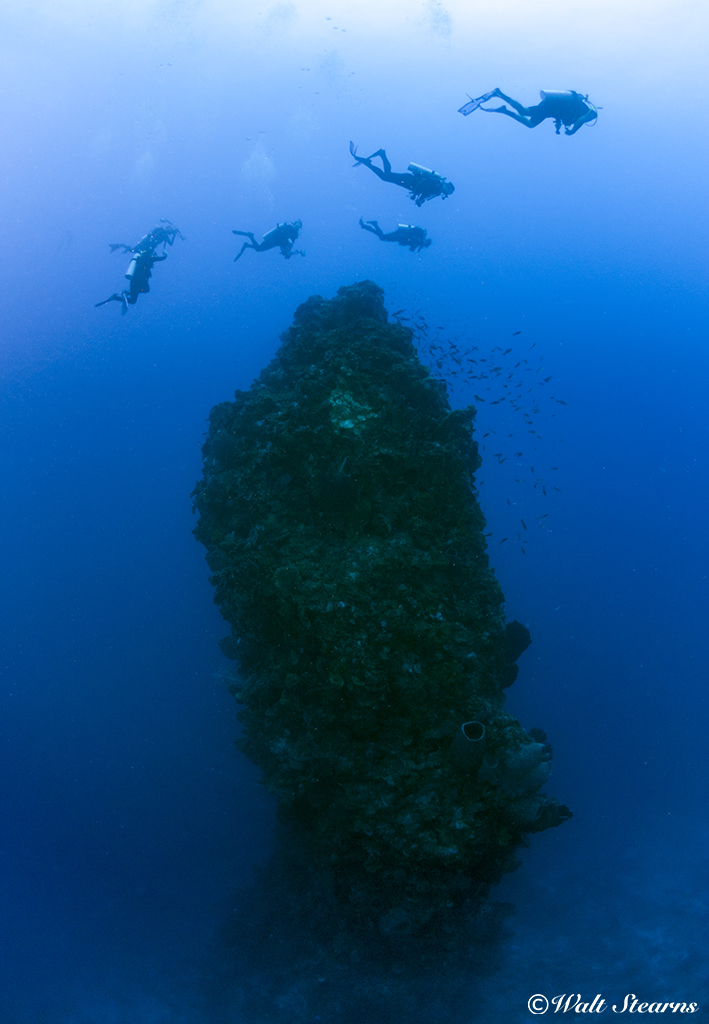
158, 236
568, 108
405, 234
420, 182
138, 273
282, 236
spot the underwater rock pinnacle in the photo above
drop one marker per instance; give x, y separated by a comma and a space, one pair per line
346, 548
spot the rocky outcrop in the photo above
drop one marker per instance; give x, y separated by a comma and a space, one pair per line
346, 546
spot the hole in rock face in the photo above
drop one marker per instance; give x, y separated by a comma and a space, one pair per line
473, 730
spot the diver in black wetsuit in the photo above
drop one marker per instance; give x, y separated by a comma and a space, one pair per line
282, 237
406, 234
419, 181
570, 109
158, 236
138, 274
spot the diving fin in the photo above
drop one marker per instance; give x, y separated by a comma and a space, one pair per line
474, 104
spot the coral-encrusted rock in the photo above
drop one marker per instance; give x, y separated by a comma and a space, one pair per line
347, 551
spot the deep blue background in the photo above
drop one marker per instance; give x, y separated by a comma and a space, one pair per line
128, 818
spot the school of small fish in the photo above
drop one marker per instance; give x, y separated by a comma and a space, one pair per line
491, 378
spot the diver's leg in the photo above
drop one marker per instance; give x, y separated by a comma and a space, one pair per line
247, 234
111, 298
371, 225
367, 161
246, 245
381, 153
515, 117
513, 103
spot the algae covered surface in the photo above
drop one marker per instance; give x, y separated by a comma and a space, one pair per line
346, 546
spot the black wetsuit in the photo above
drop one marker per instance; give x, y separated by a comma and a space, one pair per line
406, 234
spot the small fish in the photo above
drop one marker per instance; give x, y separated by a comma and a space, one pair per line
524, 525
503, 540
544, 516
515, 333
507, 351
561, 402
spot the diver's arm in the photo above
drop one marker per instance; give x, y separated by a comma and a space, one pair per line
581, 121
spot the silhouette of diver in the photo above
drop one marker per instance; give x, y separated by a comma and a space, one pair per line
420, 182
568, 108
158, 236
138, 273
282, 237
406, 234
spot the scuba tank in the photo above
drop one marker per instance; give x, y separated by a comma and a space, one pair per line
132, 268
424, 172
558, 97
140, 266
273, 234
570, 102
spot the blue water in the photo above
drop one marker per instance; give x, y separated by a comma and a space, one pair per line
129, 820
